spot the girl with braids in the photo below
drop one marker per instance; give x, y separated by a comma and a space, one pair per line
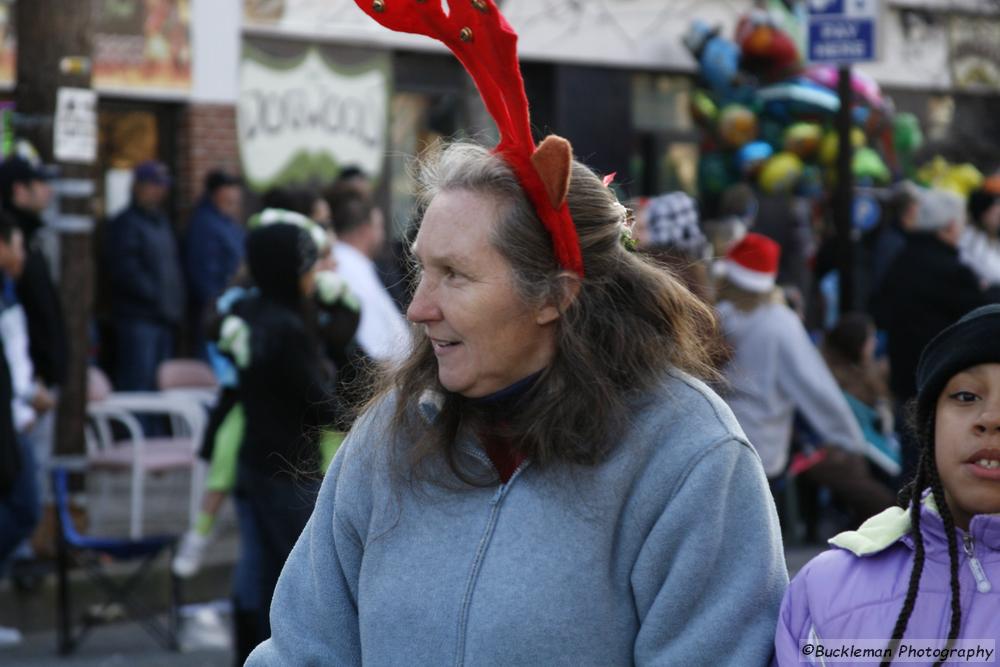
929, 569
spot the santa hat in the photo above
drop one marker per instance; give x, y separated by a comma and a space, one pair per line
752, 264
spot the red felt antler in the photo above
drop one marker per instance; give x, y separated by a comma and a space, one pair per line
480, 37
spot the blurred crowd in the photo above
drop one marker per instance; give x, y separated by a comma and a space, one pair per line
821, 390
295, 305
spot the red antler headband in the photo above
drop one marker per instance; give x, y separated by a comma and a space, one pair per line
480, 37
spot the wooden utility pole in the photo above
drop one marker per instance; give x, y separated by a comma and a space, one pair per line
55, 47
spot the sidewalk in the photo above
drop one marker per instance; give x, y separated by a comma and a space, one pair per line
34, 612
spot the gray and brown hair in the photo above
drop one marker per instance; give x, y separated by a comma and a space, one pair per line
630, 323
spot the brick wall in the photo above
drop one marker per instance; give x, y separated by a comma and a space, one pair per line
206, 139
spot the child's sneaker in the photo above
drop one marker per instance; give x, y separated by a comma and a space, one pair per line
189, 554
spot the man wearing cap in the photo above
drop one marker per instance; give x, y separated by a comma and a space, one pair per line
213, 246
147, 288
926, 289
25, 193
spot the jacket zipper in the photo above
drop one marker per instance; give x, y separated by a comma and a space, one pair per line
983, 584
484, 542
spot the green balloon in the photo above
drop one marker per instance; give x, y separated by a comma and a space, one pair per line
869, 164
906, 134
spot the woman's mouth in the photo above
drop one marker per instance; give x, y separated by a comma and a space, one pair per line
443, 346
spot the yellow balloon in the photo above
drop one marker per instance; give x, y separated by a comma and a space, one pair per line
780, 173
737, 125
830, 146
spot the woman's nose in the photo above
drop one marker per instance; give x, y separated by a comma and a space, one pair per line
423, 307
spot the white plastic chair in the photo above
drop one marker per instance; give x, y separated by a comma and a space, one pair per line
139, 454
188, 377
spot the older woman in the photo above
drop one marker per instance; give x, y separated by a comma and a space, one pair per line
545, 480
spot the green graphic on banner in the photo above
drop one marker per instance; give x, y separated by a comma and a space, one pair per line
302, 118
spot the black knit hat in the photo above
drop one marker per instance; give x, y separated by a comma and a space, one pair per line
277, 256
973, 340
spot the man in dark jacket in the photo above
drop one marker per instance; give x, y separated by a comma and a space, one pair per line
213, 247
25, 194
926, 289
147, 288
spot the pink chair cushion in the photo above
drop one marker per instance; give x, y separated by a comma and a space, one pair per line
160, 454
185, 374
98, 385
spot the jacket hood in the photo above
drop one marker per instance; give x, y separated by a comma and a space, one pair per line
278, 255
893, 525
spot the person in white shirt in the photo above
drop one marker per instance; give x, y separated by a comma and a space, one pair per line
775, 372
979, 246
360, 227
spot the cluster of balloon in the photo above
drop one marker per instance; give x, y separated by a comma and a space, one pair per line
766, 117
961, 179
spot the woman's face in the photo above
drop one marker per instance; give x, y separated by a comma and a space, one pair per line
307, 282
967, 442
484, 336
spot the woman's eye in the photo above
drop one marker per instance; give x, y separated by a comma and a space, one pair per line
964, 396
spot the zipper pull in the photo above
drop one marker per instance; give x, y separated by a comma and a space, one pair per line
983, 584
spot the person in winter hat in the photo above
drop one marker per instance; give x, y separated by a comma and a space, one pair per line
775, 372
926, 289
927, 569
287, 397
668, 230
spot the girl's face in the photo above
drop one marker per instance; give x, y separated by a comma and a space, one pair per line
967, 442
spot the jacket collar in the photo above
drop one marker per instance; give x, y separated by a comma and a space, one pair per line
893, 525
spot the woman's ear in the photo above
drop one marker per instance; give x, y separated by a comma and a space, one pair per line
569, 289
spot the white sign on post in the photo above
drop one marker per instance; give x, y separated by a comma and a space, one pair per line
75, 131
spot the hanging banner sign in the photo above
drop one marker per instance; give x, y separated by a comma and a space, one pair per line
302, 119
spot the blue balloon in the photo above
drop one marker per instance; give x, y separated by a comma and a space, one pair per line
720, 63
866, 213
798, 97
754, 152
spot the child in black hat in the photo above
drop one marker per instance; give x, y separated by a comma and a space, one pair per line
934, 562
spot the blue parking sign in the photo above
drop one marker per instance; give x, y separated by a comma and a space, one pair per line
842, 31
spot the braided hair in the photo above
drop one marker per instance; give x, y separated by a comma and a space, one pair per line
927, 475
966, 343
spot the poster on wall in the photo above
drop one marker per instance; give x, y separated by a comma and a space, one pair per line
302, 118
142, 45
8, 44
75, 127
975, 53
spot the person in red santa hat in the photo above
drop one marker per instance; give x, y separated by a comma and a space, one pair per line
775, 371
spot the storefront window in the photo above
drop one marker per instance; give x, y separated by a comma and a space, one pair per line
665, 147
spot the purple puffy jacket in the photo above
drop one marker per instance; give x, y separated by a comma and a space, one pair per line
855, 591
